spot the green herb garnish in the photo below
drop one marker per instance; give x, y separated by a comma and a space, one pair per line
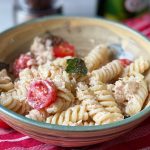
76, 65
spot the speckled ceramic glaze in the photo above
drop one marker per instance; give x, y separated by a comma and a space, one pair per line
84, 33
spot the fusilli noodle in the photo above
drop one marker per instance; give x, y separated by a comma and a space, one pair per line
85, 95
105, 98
132, 92
11, 101
5, 81
97, 57
27, 75
140, 65
38, 115
97, 109
64, 99
107, 73
72, 114
101, 116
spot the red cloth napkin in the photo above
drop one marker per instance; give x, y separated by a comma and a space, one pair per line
138, 138
141, 24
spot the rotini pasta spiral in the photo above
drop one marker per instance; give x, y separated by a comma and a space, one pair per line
38, 115
140, 65
25, 78
58, 106
105, 98
63, 80
64, 99
97, 107
85, 95
72, 114
107, 73
132, 92
135, 103
11, 101
5, 81
97, 57
101, 116
27, 75
21, 92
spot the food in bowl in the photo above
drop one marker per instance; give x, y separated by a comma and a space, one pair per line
53, 84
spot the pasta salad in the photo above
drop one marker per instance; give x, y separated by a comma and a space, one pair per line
53, 84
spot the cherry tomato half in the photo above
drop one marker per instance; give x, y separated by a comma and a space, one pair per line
41, 94
4, 125
21, 63
125, 62
64, 49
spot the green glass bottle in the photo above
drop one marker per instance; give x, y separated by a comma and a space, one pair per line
122, 9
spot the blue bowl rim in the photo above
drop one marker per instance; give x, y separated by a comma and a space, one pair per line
23, 119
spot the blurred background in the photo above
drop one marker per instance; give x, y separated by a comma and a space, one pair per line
13, 12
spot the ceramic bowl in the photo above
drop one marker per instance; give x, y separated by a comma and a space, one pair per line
84, 33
